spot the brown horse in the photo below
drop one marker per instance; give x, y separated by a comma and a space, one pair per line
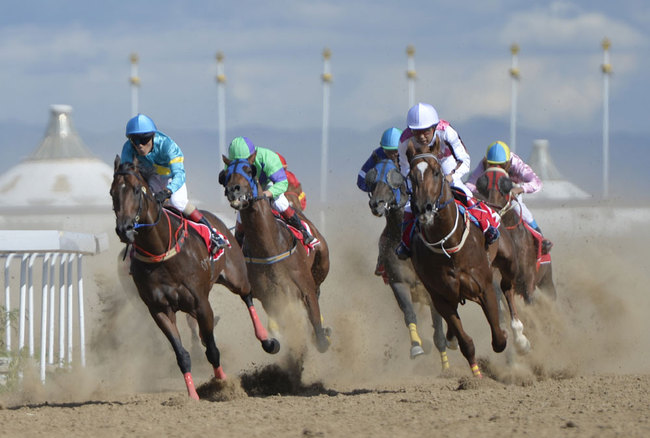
388, 196
449, 253
280, 269
172, 268
495, 185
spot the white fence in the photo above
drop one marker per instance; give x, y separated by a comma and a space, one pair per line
51, 261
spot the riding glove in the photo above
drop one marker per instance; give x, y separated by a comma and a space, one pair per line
162, 195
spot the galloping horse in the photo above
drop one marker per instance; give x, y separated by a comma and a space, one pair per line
279, 266
535, 269
449, 254
172, 268
387, 198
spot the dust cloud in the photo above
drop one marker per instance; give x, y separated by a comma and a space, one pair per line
598, 324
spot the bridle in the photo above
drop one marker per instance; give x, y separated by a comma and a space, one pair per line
382, 170
141, 191
438, 205
239, 166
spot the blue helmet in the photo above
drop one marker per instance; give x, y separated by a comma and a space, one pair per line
390, 139
497, 153
140, 124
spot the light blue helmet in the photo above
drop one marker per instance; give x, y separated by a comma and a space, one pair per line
140, 124
390, 139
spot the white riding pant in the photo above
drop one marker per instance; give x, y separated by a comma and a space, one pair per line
522, 210
281, 203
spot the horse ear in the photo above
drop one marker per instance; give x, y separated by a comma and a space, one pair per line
481, 184
251, 158
116, 163
435, 146
226, 160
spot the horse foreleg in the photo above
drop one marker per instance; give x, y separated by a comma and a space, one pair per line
522, 344
488, 303
402, 292
269, 345
439, 339
166, 321
205, 319
450, 313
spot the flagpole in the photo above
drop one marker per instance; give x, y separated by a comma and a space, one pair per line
221, 111
607, 71
410, 73
135, 84
514, 75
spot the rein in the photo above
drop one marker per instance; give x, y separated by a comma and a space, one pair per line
179, 235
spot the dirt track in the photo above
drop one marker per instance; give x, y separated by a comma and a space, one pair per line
587, 375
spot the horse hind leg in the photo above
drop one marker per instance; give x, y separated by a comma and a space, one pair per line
402, 294
439, 339
322, 334
521, 342
205, 319
166, 321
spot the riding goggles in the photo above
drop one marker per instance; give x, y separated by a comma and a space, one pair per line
138, 139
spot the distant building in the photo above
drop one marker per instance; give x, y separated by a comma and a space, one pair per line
556, 187
61, 185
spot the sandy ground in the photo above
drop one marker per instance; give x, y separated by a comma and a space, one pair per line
588, 373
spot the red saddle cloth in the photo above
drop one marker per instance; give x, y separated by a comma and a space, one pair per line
204, 232
541, 258
297, 233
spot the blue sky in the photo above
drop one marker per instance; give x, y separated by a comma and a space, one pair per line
77, 52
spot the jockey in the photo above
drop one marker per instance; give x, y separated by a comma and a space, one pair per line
498, 154
294, 184
387, 150
423, 126
155, 149
273, 178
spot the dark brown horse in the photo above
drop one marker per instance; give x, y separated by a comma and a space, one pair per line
534, 270
388, 196
172, 269
280, 269
449, 253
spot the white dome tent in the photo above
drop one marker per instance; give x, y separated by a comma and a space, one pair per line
555, 186
59, 184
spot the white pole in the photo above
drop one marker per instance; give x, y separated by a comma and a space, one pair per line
50, 335
82, 326
410, 74
23, 301
62, 307
135, 84
30, 300
514, 75
221, 111
327, 80
8, 302
44, 305
69, 312
607, 70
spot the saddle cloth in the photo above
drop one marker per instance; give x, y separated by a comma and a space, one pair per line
204, 232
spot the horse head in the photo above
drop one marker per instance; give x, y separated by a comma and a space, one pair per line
240, 182
495, 185
430, 191
133, 201
387, 187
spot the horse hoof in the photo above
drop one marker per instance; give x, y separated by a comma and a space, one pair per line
271, 345
323, 344
453, 343
416, 351
522, 346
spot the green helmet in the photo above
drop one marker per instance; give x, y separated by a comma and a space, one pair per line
240, 148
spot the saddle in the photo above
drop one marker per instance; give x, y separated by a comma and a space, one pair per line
202, 230
479, 211
297, 233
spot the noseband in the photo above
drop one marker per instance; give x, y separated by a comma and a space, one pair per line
237, 167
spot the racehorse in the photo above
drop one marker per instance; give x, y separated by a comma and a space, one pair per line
173, 270
449, 254
280, 267
535, 269
388, 196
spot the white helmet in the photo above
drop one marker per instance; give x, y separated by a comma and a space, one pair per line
422, 116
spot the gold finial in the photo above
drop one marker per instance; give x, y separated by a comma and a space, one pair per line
327, 77
514, 72
220, 56
410, 50
606, 43
327, 53
514, 48
134, 58
135, 80
410, 74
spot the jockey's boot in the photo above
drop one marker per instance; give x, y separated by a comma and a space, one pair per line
218, 242
379, 268
292, 219
546, 244
491, 234
403, 250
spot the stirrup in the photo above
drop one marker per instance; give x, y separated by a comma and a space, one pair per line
546, 246
307, 238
